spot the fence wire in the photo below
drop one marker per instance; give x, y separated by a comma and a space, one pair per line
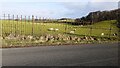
33, 25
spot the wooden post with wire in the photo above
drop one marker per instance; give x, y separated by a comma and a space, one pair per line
36, 24
21, 24
25, 26
32, 24
3, 25
110, 30
29, 21
91, 26
17, 24
9, 23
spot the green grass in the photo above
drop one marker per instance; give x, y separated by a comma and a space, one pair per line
25, 28
9, 26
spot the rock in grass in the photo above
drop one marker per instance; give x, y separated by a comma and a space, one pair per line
78, 39
41, 41
65, 39
23, 37
91, 38
1, 37
36, 41
74, 38
11, 36
29, 37
42, 38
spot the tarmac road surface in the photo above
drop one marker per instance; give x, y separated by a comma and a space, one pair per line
66, 55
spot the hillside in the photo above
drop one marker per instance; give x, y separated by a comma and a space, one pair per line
97, 16
42, 28
103, 15
17, 34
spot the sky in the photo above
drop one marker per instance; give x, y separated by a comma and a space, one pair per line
56, 8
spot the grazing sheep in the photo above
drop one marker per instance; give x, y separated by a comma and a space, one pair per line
102, 34
81, 25
56, 29
115, 34
72, 32
50, 29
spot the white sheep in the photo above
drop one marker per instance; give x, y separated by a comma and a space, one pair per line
51, 29
72, 32
102, 34
115, 34
56, 29
81, 25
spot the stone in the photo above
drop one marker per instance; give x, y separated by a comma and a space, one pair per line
1, 37
91, 38
36, 41
42, 38
73, 38
78, 39
30, 37
23, 37
11, 36
41, 41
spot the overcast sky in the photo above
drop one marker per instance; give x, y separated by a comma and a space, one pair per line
56, 8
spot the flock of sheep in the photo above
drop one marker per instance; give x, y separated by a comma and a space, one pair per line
56, 29
52, 29
73, 31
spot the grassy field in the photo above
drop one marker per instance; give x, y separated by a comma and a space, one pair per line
38, 30
17, 27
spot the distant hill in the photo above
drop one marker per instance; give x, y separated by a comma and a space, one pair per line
98, 16
103, 15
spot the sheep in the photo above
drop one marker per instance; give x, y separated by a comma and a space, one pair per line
72, 32
115, 34
102, 34
81, 25
50, 29
56, 29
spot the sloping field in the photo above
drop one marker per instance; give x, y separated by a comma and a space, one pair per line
17, 34
29, 28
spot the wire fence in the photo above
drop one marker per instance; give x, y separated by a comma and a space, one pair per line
36, 26
19, 30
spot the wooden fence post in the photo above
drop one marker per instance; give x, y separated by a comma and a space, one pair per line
32, 24
14, 26
36, 24
25, 26
21, 25
9, 30
110, 31
17, 24
3, 24
91, 31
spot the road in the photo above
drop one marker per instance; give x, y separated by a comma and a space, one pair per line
69, 55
